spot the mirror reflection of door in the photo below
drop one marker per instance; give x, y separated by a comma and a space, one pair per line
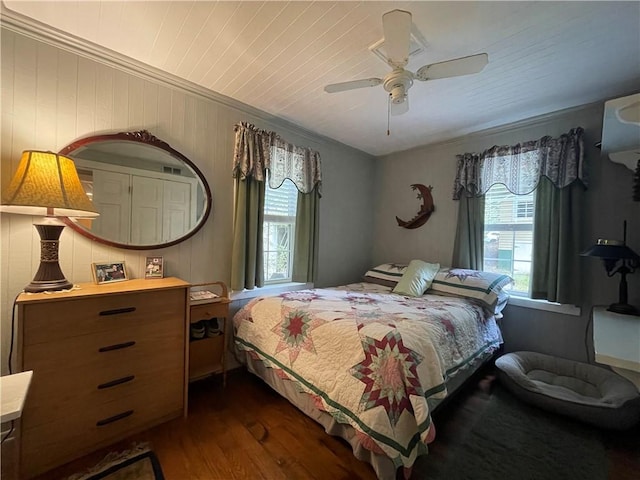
137, 206
148, 194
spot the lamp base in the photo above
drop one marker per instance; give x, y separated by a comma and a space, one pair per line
49, 276
623, 308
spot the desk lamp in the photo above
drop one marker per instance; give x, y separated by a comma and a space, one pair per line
46, 183
617, 258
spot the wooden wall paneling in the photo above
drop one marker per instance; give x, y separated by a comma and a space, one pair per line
176, 134
24, 118
136, 103
81, 251
120, 115
87, 95
150, 106
7, 99
104, 99
67, 99
164, 114
46, 95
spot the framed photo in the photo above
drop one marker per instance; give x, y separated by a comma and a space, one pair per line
154, 268
109, 272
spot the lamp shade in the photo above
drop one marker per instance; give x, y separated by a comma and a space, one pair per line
610, 249
46, 183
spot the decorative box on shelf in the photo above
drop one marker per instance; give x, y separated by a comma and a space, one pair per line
209, 309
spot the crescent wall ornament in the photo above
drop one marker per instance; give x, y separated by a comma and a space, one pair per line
426, 209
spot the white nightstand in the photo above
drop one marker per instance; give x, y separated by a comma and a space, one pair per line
616, 341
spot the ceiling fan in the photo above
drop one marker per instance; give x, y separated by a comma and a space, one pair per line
397, 28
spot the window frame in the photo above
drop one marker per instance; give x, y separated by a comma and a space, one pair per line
270, 220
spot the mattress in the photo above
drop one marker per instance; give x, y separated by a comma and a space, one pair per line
367, 364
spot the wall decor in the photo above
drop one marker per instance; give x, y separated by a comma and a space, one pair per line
148, 194
109, 272
426, 209
154, 267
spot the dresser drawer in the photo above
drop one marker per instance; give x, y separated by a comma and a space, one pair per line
77, 432
47, 322
89, 353
108, 375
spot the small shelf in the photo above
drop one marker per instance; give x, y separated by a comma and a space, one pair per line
207, 354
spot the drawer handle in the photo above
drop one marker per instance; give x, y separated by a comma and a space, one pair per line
117, 346
117, 311
115, 418
113, 383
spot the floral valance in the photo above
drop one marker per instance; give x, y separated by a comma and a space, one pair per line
257, 151
519, 167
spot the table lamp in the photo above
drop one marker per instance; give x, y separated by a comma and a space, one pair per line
47, 184
617, 258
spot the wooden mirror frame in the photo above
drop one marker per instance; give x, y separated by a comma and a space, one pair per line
144, 137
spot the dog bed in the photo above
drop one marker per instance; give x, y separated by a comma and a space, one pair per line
585, 392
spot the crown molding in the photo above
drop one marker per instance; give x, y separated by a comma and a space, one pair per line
36, 30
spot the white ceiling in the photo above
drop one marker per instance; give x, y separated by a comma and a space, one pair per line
277, 57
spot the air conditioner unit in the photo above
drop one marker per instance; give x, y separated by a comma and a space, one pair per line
621, 130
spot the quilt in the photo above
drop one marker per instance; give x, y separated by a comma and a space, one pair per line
369, 357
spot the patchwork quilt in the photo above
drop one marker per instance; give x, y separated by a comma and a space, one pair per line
369, 357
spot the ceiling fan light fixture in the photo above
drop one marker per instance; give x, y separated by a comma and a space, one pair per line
399, 105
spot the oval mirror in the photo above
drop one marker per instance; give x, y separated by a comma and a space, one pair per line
148, 194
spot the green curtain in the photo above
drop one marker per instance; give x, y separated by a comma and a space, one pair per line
468, 249
555, 274
247, 266
305, 255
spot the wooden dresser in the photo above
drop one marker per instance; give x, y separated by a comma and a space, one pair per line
108, 361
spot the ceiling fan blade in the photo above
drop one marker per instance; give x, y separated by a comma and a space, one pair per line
400, 108
352, 85
397, 36
453, 68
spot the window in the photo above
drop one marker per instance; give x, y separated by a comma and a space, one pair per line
278, 231
508, 236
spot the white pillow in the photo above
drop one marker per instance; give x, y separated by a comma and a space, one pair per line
387, 274
417, 278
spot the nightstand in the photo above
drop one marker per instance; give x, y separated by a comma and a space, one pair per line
207, 354
616, 341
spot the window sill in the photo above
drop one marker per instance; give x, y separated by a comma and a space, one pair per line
544, 305
269, 290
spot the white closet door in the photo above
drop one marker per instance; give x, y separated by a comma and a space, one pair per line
112, 199
146, 210
178, 209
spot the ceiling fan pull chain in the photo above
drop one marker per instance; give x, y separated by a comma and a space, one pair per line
388, 114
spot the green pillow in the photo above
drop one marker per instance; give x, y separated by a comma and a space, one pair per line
417, 278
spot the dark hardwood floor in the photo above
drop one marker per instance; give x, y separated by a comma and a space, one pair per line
247, 431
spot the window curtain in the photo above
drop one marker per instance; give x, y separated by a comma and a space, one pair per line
468, 249
305, 254
251, 156
554, 166
258, 155
302, 166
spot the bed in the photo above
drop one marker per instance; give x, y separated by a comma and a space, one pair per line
371, 365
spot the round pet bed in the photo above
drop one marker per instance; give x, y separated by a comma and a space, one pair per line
586, 392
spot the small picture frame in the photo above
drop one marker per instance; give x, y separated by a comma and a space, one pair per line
109, 272
154, 267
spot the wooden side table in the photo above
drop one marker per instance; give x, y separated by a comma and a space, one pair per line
207, 354
616, 341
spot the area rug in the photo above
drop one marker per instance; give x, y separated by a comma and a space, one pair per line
137, 463
512, 440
